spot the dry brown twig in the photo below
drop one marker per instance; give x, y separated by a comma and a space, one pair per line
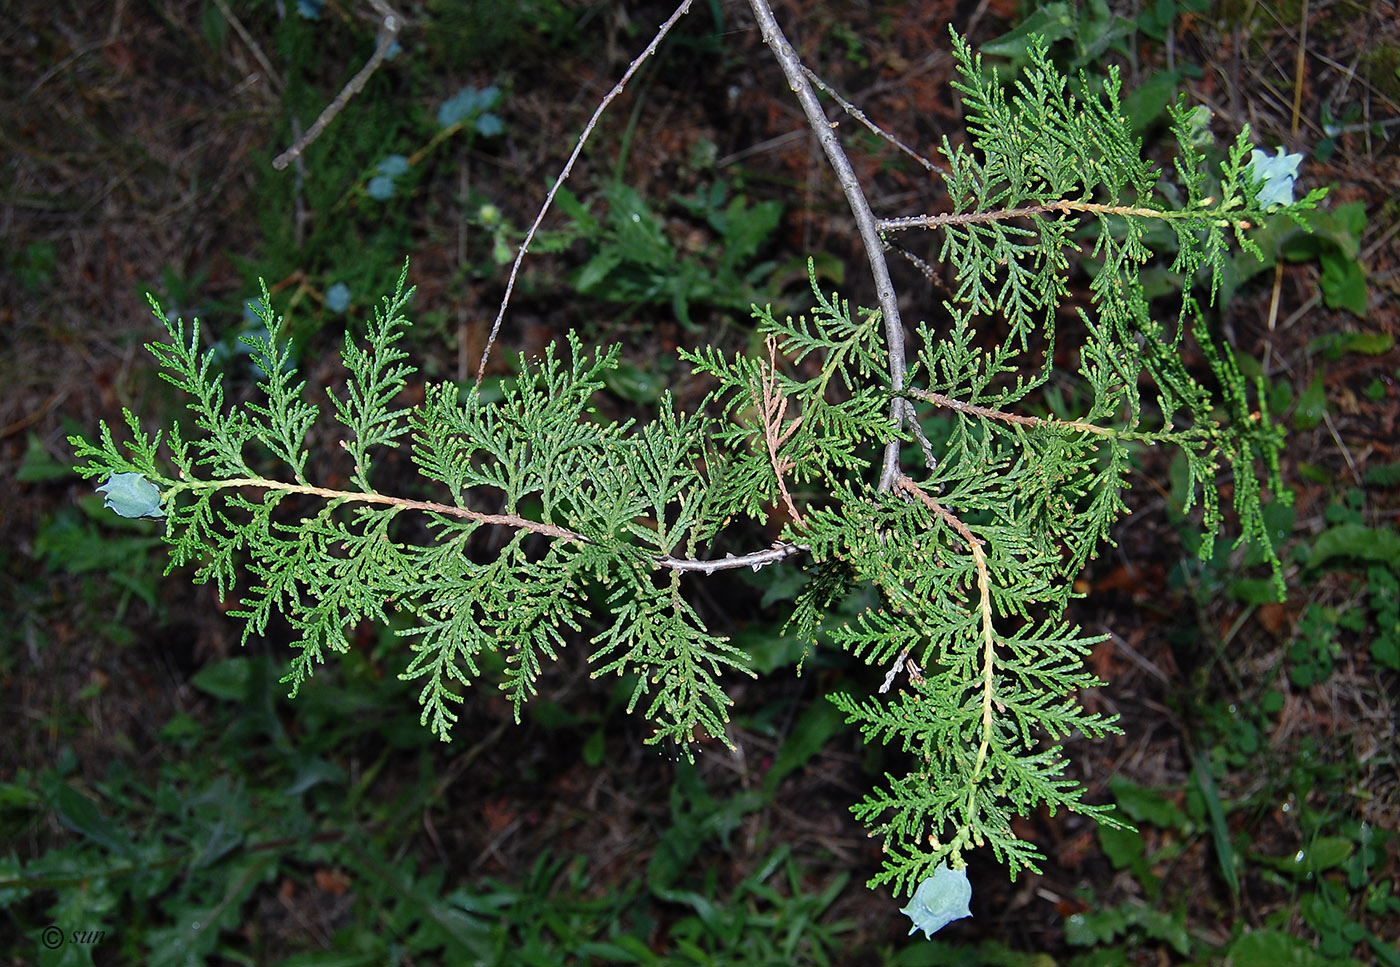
773, 407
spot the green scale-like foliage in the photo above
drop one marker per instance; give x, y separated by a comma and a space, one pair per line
973, 560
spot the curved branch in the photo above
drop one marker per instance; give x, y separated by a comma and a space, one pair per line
984, 604
866, 223
755, 559
388, 32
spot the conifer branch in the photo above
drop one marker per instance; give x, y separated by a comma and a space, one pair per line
398, 503
753, 560
1026, 211
984, 604
908, 486
972, 409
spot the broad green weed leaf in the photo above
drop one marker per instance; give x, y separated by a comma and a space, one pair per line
79, 813
1359, 542
1334, 345
1324, 853
1052, 22
1274, 948
1312, 406
1125, 850
1148, 805
38, 465
1146, 105
227, 679
1343, 283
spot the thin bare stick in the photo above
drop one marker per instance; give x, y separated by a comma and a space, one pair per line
388, 31
1273, 313
870, 125
274, 79
564, 176
792, 69
911, 419
755, 560
914, 260
1298, 68
894, 670
1341, 445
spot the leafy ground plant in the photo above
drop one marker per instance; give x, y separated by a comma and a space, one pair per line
972, 555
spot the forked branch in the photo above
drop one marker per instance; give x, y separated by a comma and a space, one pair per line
866, 223
389, 26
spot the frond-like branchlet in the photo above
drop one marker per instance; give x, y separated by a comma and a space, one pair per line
377, 374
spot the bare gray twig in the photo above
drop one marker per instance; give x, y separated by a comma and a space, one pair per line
866, 223
755, 560
564, 175
870, 125
894, 670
